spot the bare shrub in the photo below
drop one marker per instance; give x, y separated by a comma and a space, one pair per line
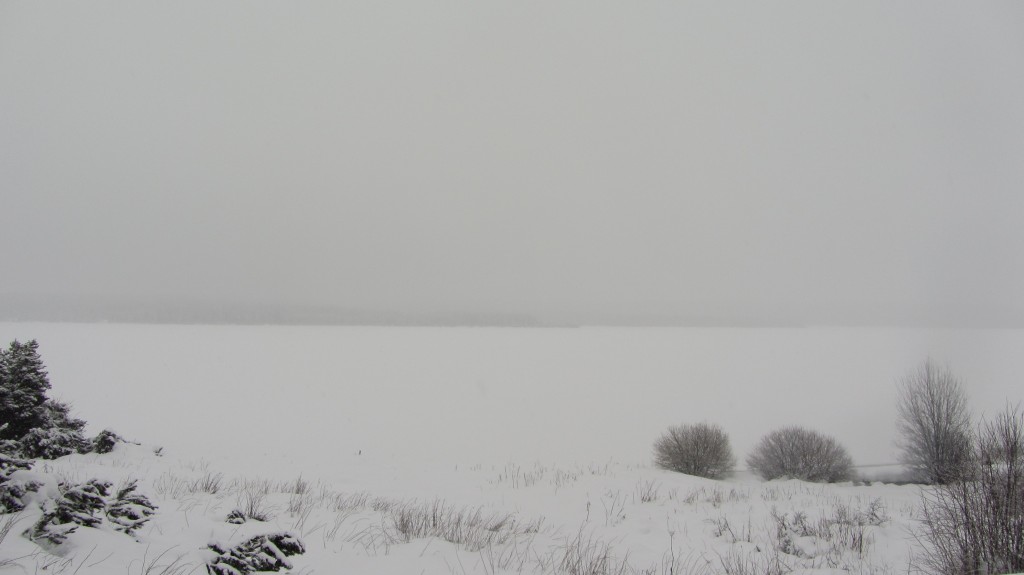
975, 524
933, 423
700, 449
800, 453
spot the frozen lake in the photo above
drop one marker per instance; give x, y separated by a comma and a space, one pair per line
463, 396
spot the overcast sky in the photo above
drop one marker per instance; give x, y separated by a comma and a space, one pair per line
813, 162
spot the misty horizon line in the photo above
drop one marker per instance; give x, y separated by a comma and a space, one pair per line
181, 312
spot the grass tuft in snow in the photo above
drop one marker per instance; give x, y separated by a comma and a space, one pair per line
209, 482
470, 527
584, 554
251, 500
6, 526
646, 492
159, 566
739, 561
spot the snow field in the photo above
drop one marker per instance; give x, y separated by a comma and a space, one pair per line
595, 519
484, 451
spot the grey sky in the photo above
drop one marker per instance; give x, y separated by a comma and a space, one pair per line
839, 162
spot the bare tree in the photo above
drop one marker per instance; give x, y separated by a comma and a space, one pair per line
933, 423
700, 449
975, 524
800, 453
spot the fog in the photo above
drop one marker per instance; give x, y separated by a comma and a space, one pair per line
575, 162
483, 395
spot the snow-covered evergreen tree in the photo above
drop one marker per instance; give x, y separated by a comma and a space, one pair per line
23, 385
33, 425
59, 434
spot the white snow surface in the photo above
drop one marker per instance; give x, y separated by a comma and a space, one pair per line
552, 426
516, 519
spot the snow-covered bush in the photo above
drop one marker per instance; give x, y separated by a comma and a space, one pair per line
13, 491
86, 505
105, 441
700, 449
79, 505
129, 510
799, 453
261, 553
975, 524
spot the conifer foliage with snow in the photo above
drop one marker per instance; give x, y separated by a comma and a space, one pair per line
23, 386
13, 490
129, 510
86, 505
261, 553
34, 425
105, 441
79, 505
